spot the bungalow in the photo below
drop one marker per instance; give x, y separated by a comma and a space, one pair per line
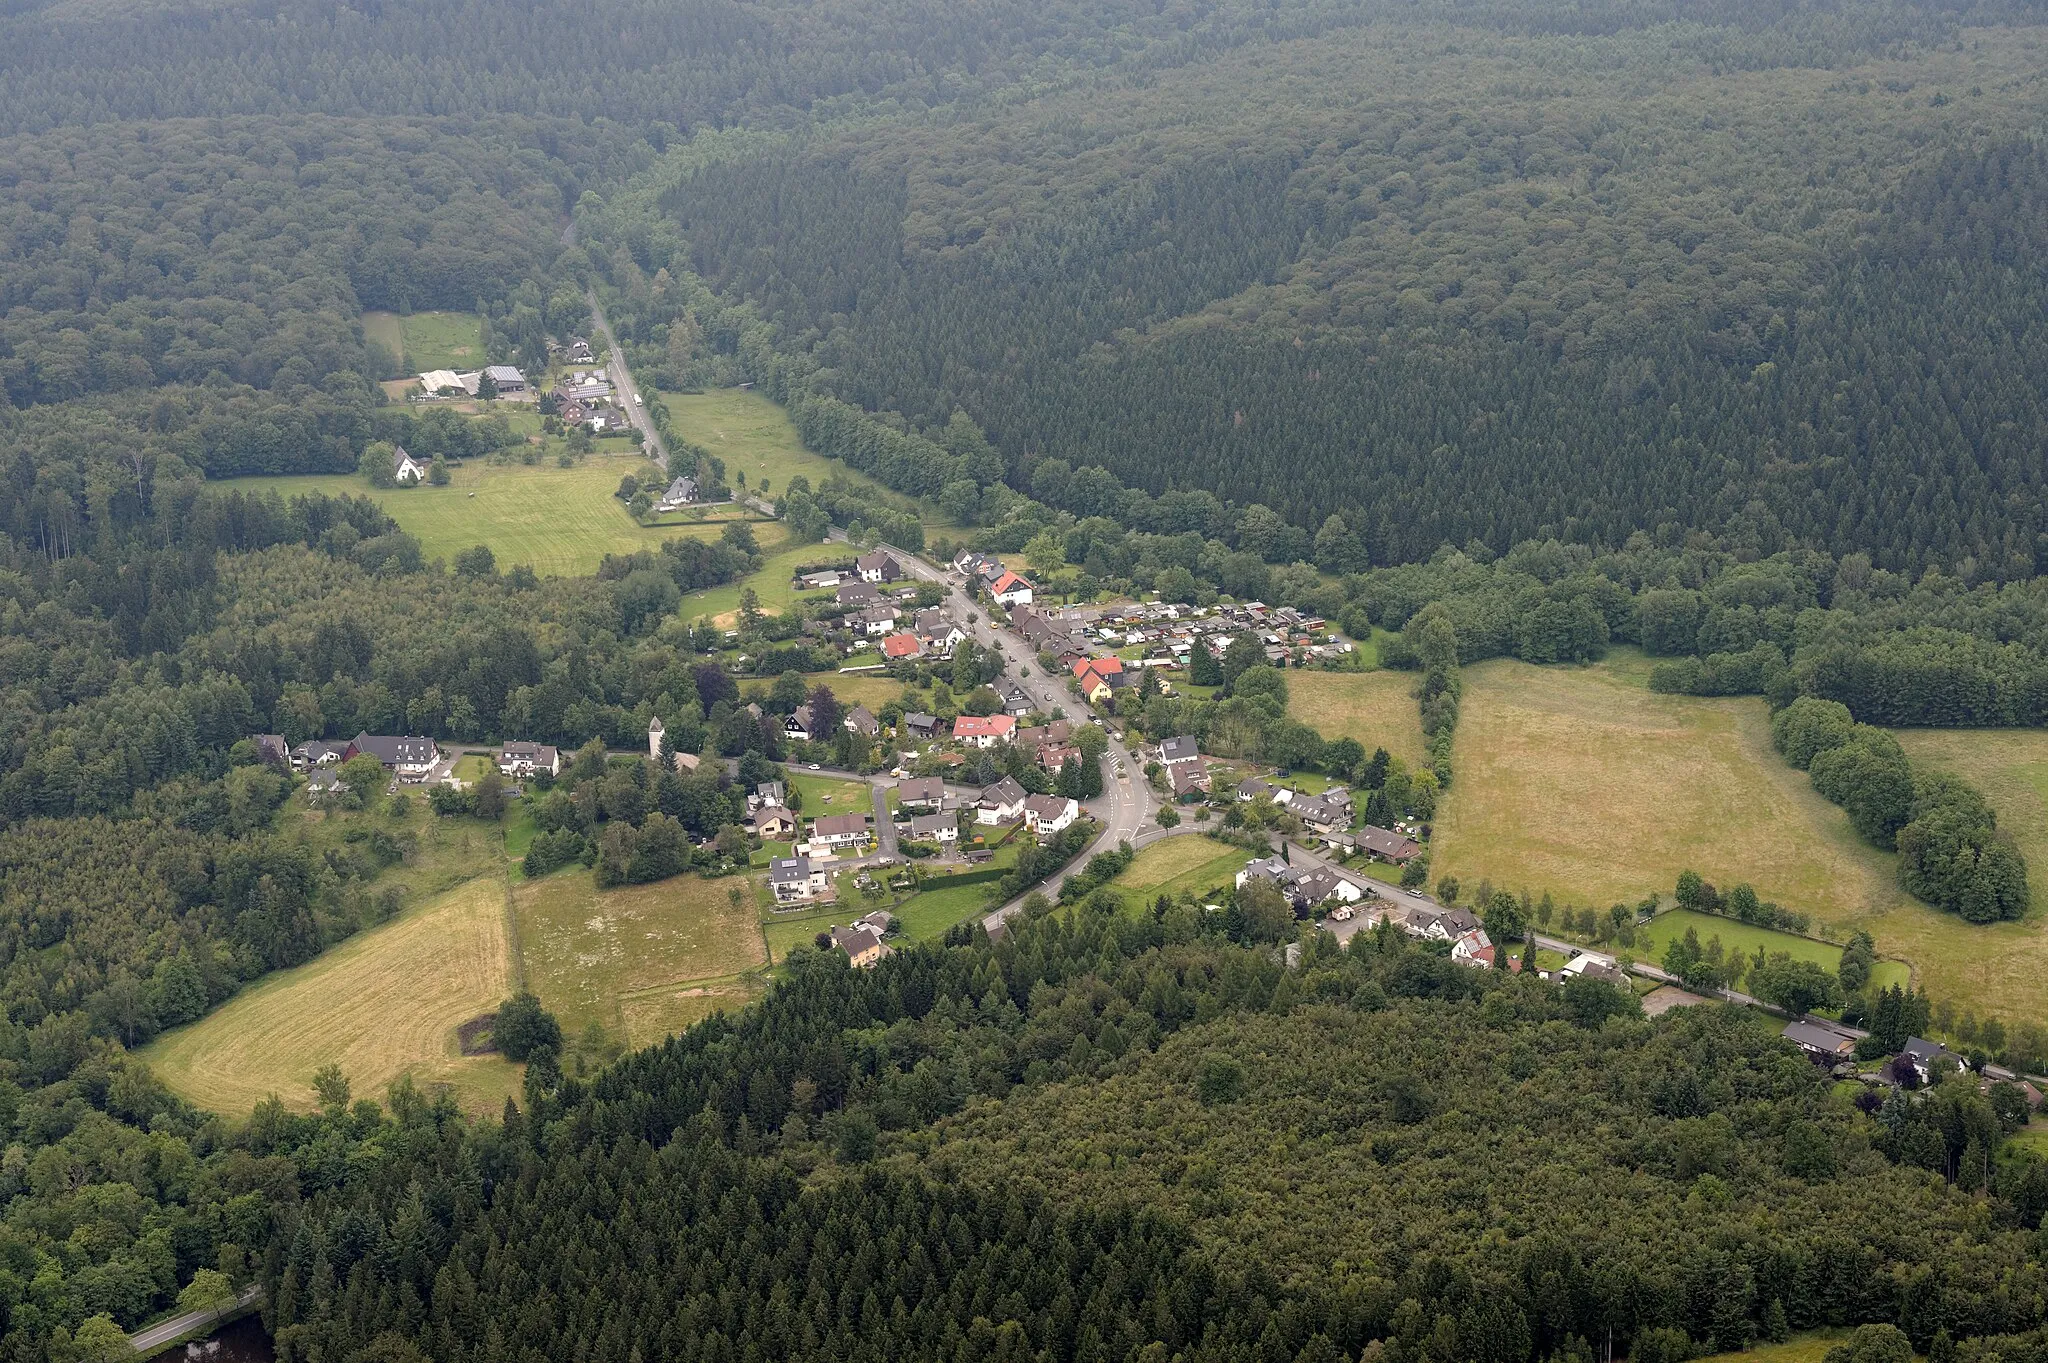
680, 493
406, 471
878, 566
938, 828
1252, 787
1304, 886
773, 823
272, 750
508, 380
984, 731
1010, 590
1049, 815
1002, 802
839, 832
520, 760
830, 577
406, 756
1821, 1040
1177, 750
1474, 948
876, 621
794, 880
920, 725
898, 647
317, 752
860, 720
797, 728
1387, 845
1587, 965
860, 594
861, 943
920, 792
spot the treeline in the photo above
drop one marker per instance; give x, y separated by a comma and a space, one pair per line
764, 1183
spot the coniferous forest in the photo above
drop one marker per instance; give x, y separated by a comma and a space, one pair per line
1507, 328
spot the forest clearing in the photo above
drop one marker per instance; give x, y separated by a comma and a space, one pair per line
557, 521
386, 1002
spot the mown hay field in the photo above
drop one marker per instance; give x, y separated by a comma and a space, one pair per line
555, 520
1583, 782
640, 960
385, 1003
1377, 708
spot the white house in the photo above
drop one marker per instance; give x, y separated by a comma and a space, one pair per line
1474, 948
793, 880
408, 757
877, 621
984, 731
1049, 815
680, 493
1176, 750
1010, 590
1001, 802
520, 760
797, 728
878, 567
654, 733
406, 471
938, 828
839, 832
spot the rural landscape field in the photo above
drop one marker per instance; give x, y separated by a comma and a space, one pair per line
1377, 708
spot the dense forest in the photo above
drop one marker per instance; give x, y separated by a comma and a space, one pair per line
1117, 1136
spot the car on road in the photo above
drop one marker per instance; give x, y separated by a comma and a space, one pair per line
639, 401
814, 766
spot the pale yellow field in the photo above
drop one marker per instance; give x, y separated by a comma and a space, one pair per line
641, 960
1584, 782
1376, 708
1171, 857
382, 1004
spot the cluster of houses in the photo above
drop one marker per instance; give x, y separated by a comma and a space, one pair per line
1170, 633
451, 383
988, 575
1329, 816
877, 601
586, 397
410, 760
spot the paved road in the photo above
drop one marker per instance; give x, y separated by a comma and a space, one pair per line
885, 827
622, 379
147, 1341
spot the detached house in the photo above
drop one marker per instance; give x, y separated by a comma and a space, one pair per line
861, 943
1016, 700
1002, 802
406, 471
860, 720
839, 832
938, 828
317, 752
1095, 678
1177, 750
920, 792
773, 823
1010, 590
876, 621
520, 760
984, 731
272, 750
794, 880
1388, 845
680, 494
898, 647
879, 566
408, 758
1050, 815
797, 728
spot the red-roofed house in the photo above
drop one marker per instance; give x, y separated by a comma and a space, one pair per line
1010, 590
984, 731
902, 646
1094, 676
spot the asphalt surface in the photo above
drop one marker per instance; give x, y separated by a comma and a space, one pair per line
147, 1341
885, 827
622, 379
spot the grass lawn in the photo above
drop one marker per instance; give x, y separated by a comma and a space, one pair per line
1583, 782
440, 340
872, 690
557, 520
1653, 937
1808, 1347
829, 795
753, 436
1376, 708
929, 912
388, 329
1191, 862
2003, 966
642, 960
385, 1003
772, 583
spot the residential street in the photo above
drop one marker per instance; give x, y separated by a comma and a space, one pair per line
622, 379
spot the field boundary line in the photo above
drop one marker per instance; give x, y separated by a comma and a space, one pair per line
513, 951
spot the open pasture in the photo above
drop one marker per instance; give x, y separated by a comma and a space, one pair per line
1377, 708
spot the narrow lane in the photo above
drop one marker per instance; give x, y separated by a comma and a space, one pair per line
622, 379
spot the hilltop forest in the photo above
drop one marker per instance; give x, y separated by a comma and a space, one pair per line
1497, 328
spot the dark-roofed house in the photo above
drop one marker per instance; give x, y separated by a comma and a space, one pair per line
876, 621
920, 725
1252, 787
1326, 813
272, 750
861, 943
773, 823
680, 493
1177, 750
317, 752
322, 781
879, 566
794, 880
1050, 815
920, 792
406, 470
797, 728
939, 828
1927, 1058
405, 756
1442, 923
861, 720
1821, 1040
1188, 779
1001, 802
1388, 845
861, 594
769, 793
520, 760
839, 832
1016, 700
